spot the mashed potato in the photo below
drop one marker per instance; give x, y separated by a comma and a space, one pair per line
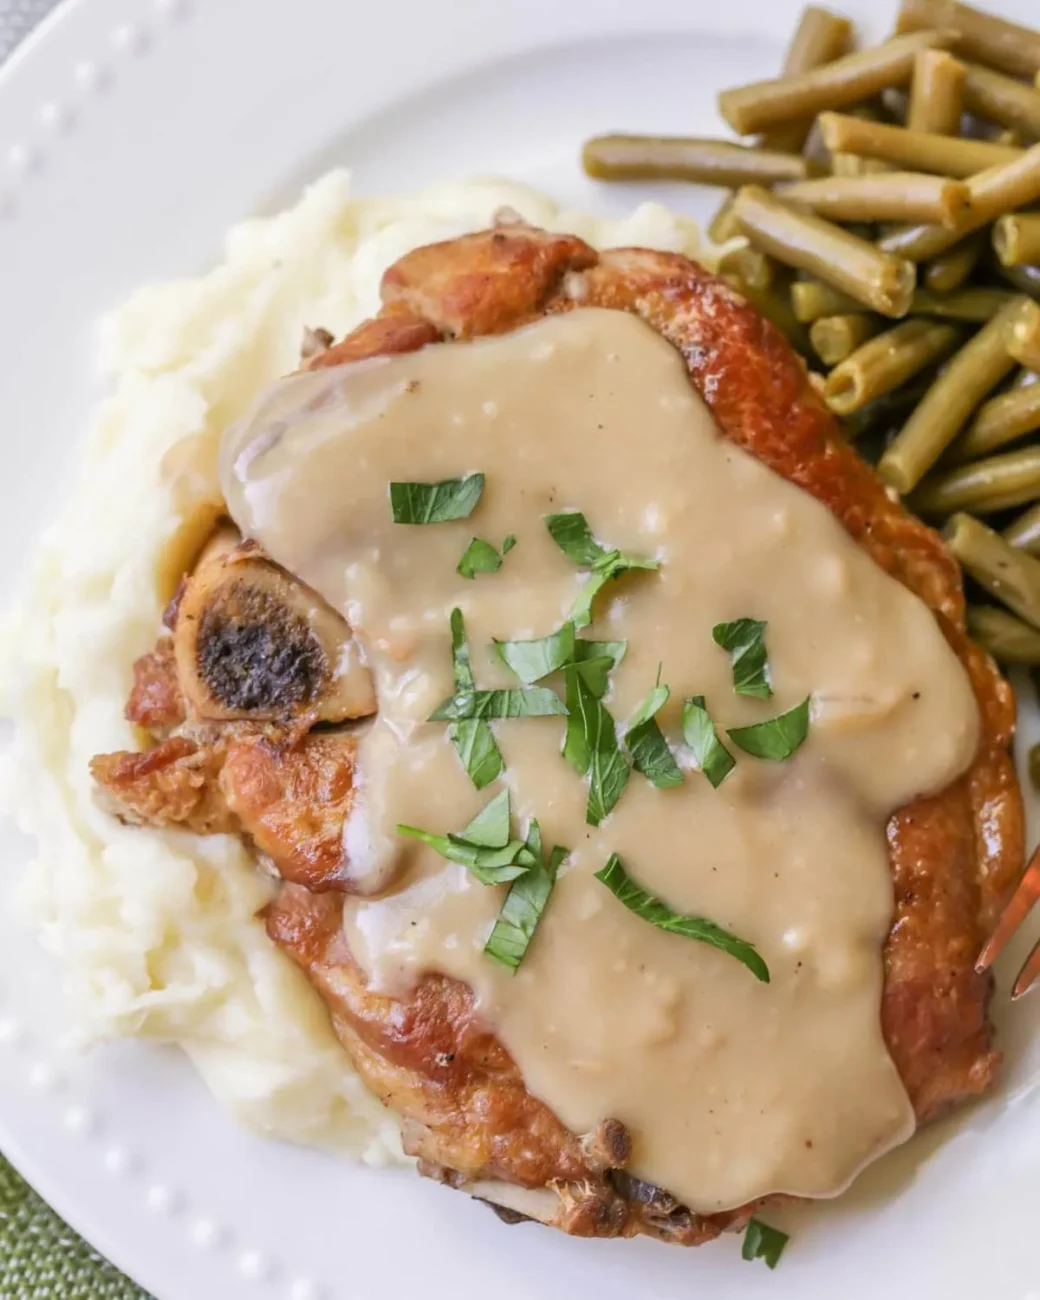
157, 929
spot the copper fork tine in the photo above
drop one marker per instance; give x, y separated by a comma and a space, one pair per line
1027, 893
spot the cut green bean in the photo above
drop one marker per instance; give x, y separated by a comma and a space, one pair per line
1011, 576
936, 92
1008, 639
991, 40
1025, 278
845, 81
1023, 340
991, 193
724, 225
820, 37
812, 299
1000, 421
1001, 99
811, 244
686, 158
948, 271
887, 361
750, 265
1023, 533
975, 304
1033, 757
888, 196
851, 165
773, 301
983, 487
1016, 238
973, 373
918, 151
836, 337
887, 412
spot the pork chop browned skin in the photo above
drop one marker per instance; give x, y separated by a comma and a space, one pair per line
466, 1112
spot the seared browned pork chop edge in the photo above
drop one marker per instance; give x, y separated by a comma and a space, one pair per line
466, 1112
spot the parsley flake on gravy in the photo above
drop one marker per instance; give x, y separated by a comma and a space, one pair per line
652, 909
526, 901
435, 503
571, 533
591, 746
776, 738
646, 744
745, 639
484, 847
713, 758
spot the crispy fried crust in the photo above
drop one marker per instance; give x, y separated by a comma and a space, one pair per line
953, 856
293, 801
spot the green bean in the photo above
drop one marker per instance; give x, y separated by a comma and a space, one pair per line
919, 151
836, 337
948, 271
886, 412
686, 158
935, 93
820, 37
890, 196
1024, 278
845, 81
1033, 762
984, 486
853, 265
1024, 532
1016, 238
887, 361
851, 164
975, 304
1000, 99
1011, 576
981, 36
997, 422
1023, 341
812, 299
975, 370
724, 225
1009, 640
753, 268
991, 194
773, 301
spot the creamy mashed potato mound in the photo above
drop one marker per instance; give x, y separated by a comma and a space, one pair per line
157, 929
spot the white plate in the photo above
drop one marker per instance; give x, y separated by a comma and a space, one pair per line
131, 135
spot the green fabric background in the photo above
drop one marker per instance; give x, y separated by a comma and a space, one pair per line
42, 1259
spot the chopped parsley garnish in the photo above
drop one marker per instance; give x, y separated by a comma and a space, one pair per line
745, 639
777, 738
484, 847
572, 535
533, 660
763, 1242
435, 503
479, 557
713, 758
526, 901
531, 702
647, 746
472, 737
652, 909
591, 746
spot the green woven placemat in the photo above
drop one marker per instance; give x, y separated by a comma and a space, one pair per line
43, 1259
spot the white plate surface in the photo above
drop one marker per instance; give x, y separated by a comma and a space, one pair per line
132, 133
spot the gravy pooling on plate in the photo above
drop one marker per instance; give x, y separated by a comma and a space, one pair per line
731, 1088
